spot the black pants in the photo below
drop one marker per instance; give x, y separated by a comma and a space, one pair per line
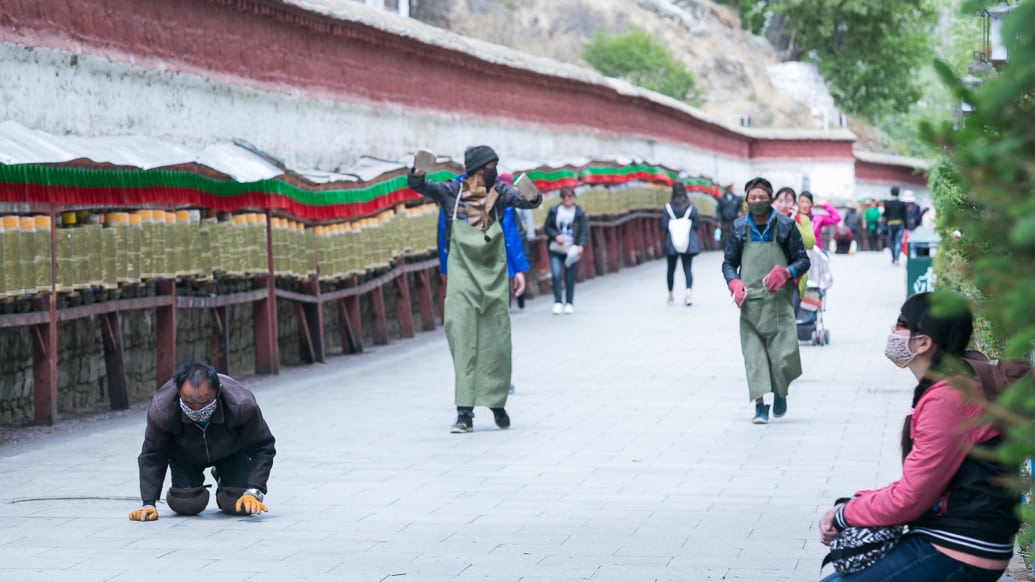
687, 260
233, 472
727, 227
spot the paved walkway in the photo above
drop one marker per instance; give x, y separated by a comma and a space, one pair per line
631, 457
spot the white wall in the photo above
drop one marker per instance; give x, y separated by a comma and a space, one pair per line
63, 93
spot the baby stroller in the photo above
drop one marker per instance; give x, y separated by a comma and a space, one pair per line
813, 303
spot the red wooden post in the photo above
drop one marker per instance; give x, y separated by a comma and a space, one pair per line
44, 367
114, 361
587, 267
355, 315
264, 315
424, 300
351, 343
542, 264
307, 351
221, 339
377, 301
44, 345
403, 306
313, 313
611, 238
165, 327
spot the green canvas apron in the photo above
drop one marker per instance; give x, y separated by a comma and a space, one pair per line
477, 314
768, 333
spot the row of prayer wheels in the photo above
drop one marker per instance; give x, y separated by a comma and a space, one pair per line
350, 248
623, 199
114, 249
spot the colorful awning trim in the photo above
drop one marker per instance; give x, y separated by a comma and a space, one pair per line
68, 186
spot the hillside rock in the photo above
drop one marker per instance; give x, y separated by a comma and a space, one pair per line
731, 65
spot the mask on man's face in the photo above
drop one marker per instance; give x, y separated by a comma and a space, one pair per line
202, 414
759, 209
489, 177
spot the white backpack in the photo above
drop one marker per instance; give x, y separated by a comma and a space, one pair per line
679, 228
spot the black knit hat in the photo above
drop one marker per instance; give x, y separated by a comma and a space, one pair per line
477, 157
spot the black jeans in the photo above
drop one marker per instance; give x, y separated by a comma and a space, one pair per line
687, 260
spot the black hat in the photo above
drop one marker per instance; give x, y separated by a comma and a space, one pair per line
477, 157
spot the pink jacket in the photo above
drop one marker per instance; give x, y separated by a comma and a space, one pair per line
942, 435
819, 221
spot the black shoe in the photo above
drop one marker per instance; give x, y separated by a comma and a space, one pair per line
463, 424
502, 418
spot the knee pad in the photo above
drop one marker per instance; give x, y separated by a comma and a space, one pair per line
187, 501
226, 498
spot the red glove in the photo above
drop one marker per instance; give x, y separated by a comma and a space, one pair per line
738, 291
776, 278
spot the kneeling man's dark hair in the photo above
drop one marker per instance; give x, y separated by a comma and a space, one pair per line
198, 373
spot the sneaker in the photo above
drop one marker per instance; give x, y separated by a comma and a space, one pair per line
761, 414
689, 299
502, 418
779, 405
669, 301
557, 307
569, 309
463, 424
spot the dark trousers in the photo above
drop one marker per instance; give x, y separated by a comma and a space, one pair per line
687, 260
727, 227
872, 239
233, 472
556, 269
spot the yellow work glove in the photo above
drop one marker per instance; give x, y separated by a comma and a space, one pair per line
250, 502
145, 513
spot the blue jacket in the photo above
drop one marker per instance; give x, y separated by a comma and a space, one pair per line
516, 261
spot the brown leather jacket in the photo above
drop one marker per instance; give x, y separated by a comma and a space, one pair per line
236, 425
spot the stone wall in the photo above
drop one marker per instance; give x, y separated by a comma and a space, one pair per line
82, 375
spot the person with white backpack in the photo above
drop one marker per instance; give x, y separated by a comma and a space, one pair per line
679, 221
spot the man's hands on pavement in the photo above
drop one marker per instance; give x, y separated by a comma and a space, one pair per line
250, 503
145, 513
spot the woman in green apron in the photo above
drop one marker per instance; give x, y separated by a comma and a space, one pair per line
477, 306
763, 255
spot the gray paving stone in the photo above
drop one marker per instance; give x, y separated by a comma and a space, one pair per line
631, 458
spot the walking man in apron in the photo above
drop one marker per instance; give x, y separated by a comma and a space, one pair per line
763, 256
477, 306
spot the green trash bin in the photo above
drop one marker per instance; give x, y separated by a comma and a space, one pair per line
921, 248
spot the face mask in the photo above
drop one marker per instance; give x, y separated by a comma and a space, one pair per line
898, 350
759, 208
489, 176
202, 414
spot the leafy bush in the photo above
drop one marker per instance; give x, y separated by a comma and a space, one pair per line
985, 190
640, 59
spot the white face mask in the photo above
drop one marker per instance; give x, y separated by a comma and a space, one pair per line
897, 350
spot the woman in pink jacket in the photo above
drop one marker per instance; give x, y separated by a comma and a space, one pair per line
805, 204
961, 522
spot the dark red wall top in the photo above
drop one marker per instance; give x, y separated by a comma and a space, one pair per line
266, 44
888, 174
797, 149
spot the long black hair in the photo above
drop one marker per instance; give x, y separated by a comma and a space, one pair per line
948, 322
679, 198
